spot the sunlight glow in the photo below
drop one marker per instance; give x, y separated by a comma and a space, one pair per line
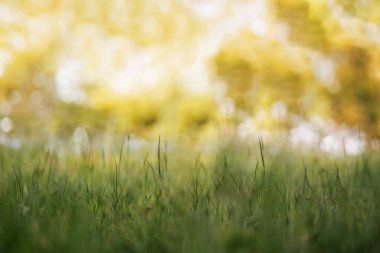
68, 79
304, 134
263, 66
206, 9
324, 71
279, 110
6, 124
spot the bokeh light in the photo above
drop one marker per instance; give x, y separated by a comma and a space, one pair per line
307, 68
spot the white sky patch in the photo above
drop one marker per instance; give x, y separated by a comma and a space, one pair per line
6, 124
279, 110
6, 14
137, 144
205, 9
259, 27
193, 64
150, 76
119, 82
324, 70
250, 16
38, 32
246, 128
331, 144
141, 71
354, 145
304, 134
9, 15
258, 13
17, 40
68, 80
196, 78
80, 138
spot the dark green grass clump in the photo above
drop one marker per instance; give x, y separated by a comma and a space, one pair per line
235, 200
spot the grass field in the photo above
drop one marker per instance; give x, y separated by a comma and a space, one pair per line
238, 198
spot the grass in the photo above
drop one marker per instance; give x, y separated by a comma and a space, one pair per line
237, 199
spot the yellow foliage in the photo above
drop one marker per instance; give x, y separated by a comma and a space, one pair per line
195, 113
139, 115
135, 61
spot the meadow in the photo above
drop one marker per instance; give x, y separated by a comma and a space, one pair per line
236, 198
296, 81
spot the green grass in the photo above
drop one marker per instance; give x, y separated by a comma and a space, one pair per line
237, 199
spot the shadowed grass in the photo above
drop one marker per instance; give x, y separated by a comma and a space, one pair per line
238, 199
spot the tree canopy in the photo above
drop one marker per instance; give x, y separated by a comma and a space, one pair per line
174, 66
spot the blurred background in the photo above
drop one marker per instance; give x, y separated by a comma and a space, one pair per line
191, 70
